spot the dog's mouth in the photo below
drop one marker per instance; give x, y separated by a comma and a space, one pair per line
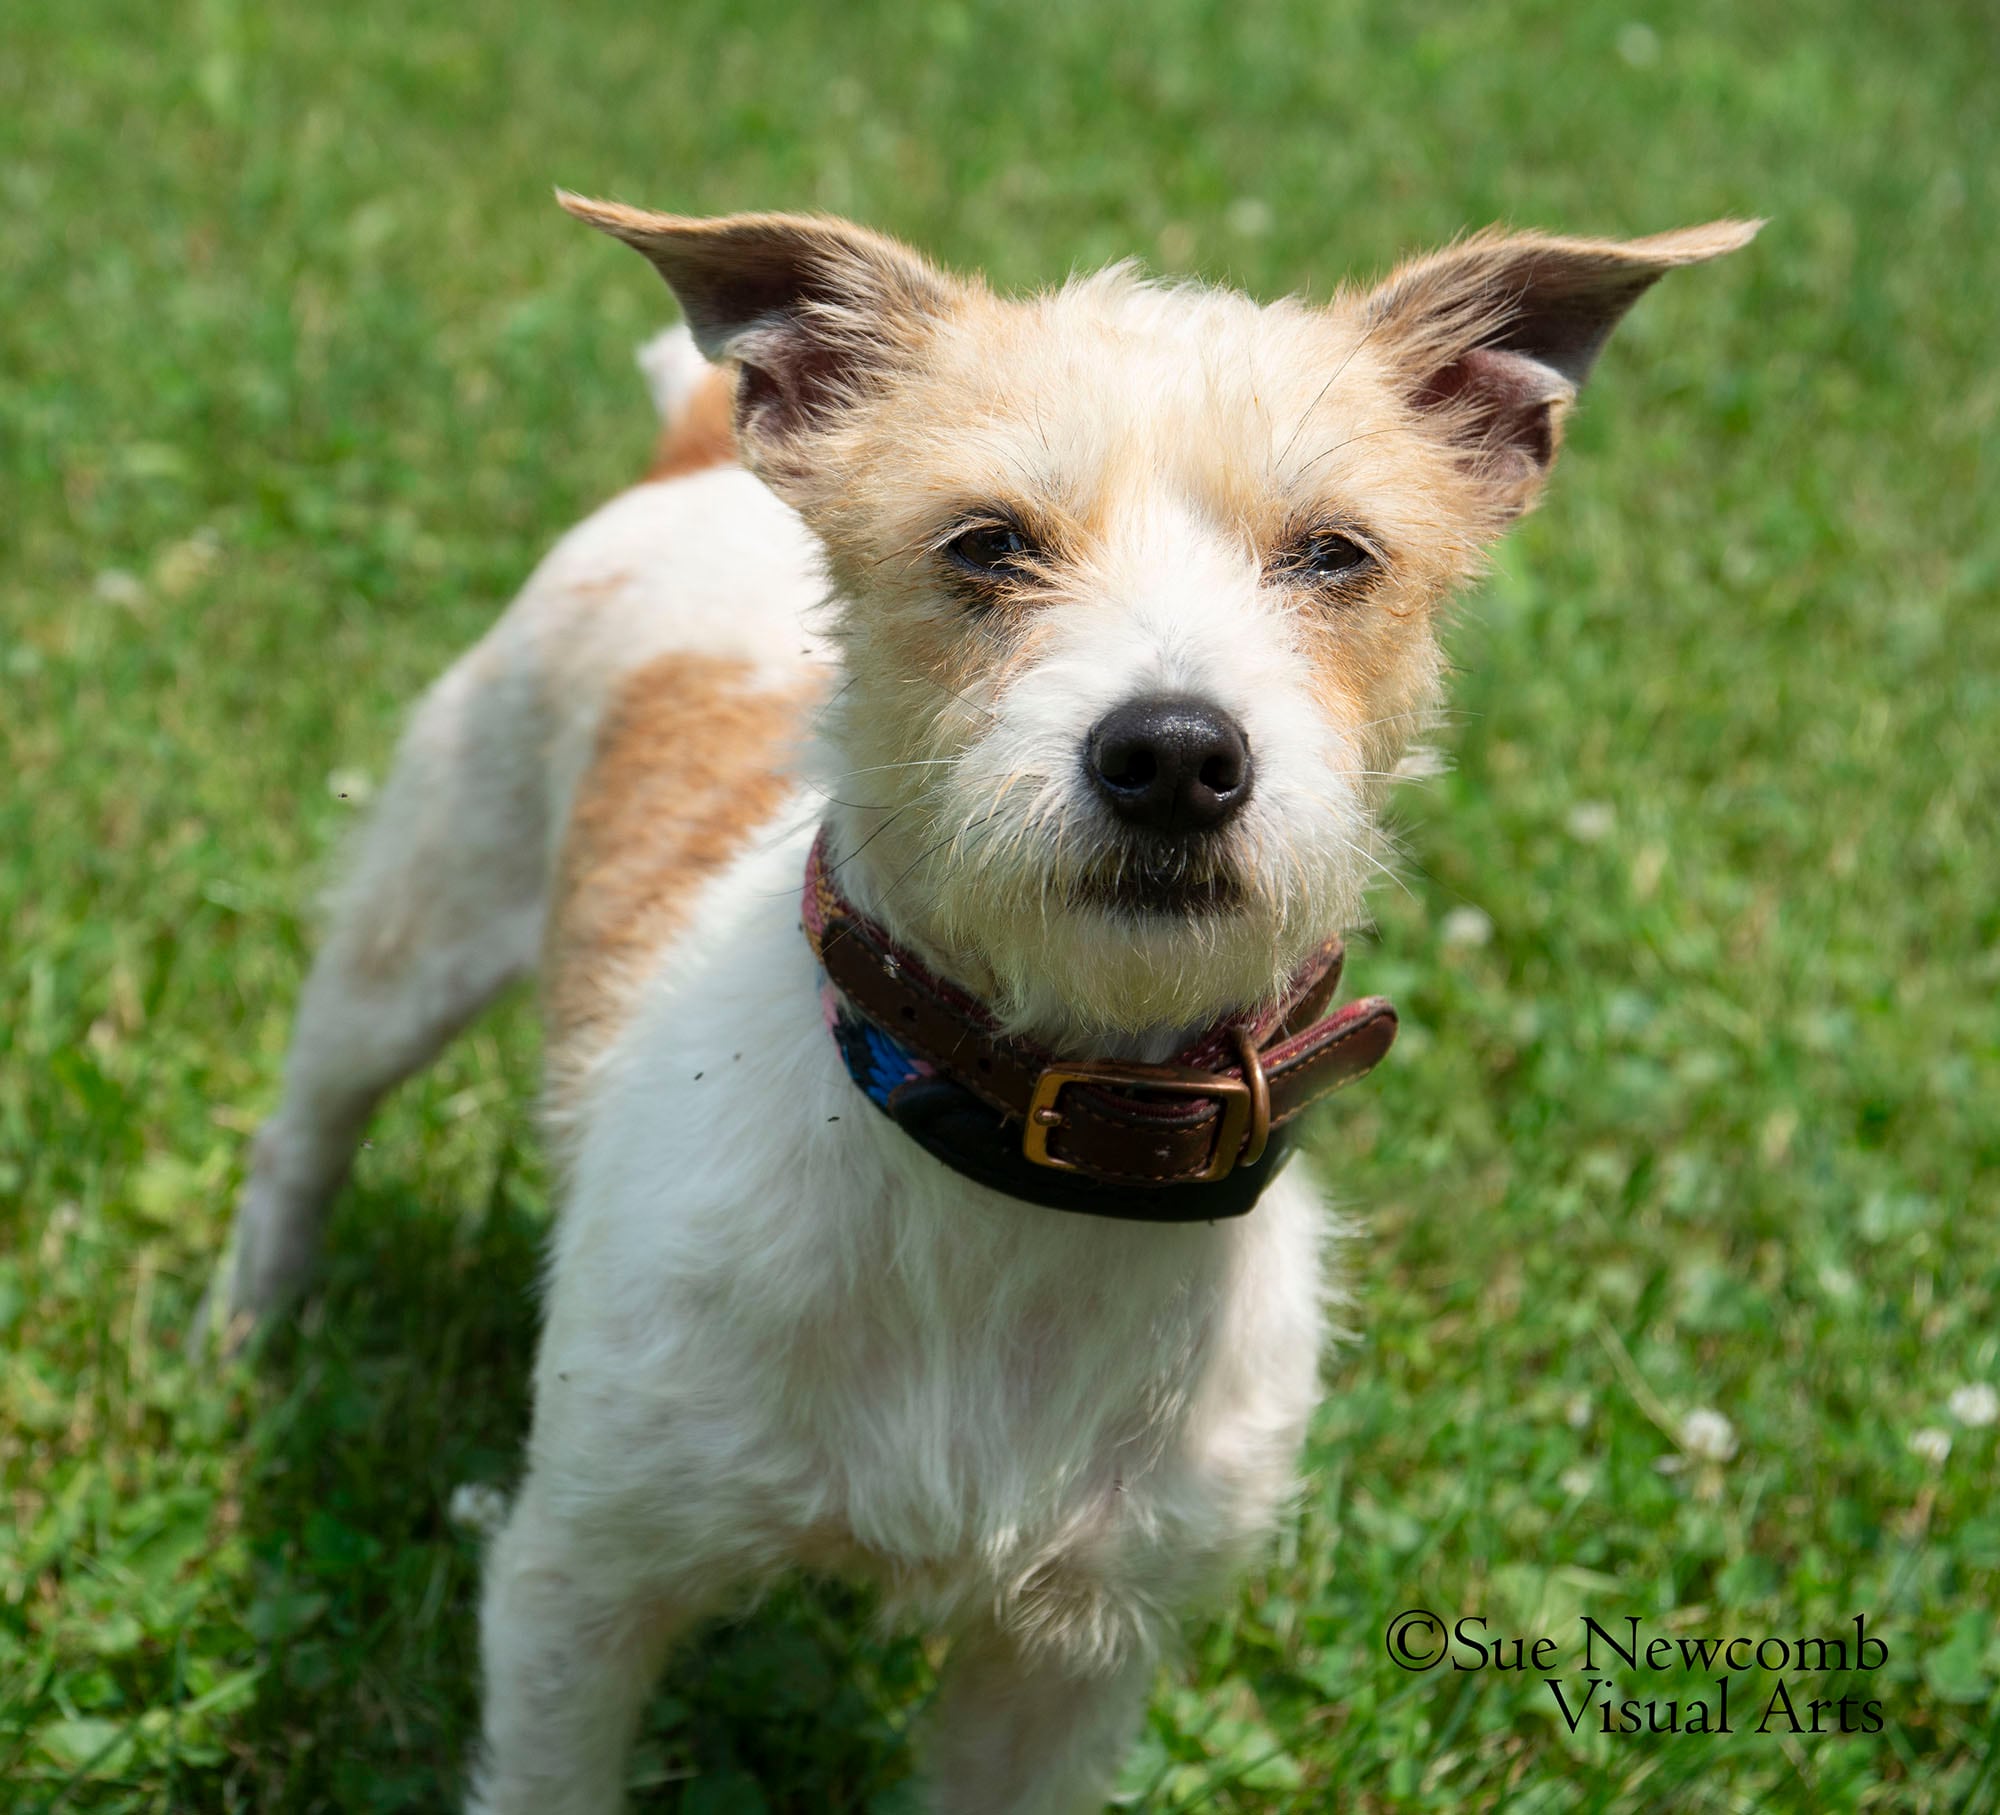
1178, 883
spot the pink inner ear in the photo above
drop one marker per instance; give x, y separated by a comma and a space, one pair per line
1498, 401
791, 375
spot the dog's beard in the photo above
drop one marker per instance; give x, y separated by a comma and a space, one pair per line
1160, 878
1088, 937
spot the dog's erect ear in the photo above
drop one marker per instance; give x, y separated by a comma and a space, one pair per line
1495, 336
807, 306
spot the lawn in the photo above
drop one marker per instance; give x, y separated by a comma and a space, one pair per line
1698, 943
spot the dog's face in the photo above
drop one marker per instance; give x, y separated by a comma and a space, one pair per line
1136, 586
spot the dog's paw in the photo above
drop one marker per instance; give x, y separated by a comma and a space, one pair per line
219, 1329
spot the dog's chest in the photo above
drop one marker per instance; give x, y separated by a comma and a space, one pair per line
999, 1386
793, 1303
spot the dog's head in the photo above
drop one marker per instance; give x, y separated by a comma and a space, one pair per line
1136, 584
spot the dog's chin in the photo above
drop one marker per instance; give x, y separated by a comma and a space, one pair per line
1158, 886
1129, 950
1131, 984
1134, 956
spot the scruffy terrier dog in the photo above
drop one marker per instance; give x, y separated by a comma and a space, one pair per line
936, 1225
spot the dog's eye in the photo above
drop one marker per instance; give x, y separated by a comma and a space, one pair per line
991, 548
1328, 555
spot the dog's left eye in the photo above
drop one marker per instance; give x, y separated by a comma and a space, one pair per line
1327, 555
991, 548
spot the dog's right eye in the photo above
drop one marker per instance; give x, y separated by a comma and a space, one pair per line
991, 548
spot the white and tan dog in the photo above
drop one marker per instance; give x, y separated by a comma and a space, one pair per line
1093, 625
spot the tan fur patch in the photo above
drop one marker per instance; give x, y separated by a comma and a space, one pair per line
691, 759
702, 434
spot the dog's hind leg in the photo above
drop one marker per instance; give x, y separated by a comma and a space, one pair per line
441, 910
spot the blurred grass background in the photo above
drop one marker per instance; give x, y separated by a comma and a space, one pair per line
299, 371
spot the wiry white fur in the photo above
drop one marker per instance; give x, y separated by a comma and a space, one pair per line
776, 1338
980, 1409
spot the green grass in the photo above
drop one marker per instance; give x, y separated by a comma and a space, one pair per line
299, 370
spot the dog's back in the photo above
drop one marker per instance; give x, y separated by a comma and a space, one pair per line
559, 799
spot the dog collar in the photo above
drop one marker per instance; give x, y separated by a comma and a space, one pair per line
1193, 1140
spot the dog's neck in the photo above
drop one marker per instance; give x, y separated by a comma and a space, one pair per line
885, 897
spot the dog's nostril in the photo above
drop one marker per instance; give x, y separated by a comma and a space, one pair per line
1221, 773
1132, 766
1170, 764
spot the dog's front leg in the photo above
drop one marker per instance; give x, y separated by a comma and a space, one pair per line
571, 1642
1013, 1733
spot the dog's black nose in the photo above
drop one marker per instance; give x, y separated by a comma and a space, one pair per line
1174, 764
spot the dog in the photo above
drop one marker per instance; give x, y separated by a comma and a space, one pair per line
931, 801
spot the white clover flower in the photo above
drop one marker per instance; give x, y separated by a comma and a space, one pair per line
1577, 1412
1591, 821
119, 586
1639, 45
1975, 1405
1249, 215
1707, 1435
183, 565
1577, 1481
1931, 1445
478, 1508
1466, 926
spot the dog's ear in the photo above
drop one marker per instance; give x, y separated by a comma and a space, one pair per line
1492, 338
809, 308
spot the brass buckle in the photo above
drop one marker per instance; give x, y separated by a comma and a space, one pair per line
1246, 1106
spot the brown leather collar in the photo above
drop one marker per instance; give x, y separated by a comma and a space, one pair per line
1194, 1139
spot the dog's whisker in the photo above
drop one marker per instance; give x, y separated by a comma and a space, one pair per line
1352, 440
858, 806
1376, 864
1305, 415
835, 777
834, 869
828, 704
931, 680
924, 856
1319, 396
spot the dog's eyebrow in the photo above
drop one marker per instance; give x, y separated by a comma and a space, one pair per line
974, 516
1335, 522
1047, 513
922, 543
